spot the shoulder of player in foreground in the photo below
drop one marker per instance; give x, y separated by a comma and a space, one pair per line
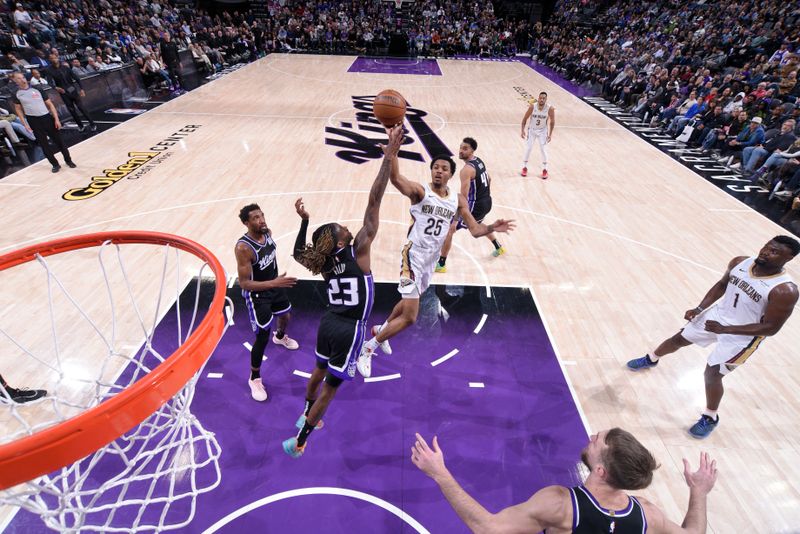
551, 505
656, 520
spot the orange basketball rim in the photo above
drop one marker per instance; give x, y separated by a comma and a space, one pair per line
67, 442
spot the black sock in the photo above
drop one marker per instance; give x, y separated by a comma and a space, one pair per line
496, 244
257, 352
255, 374
279, 334
309, 404
442, 260
302, 436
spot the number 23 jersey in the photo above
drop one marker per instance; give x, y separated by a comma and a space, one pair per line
432, 217
350, 291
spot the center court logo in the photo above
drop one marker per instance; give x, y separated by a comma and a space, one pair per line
524, 94
137, 165
358, 147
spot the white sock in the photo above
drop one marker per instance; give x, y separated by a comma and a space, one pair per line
652, 357
711, 413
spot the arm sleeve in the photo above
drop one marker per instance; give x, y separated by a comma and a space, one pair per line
300, 242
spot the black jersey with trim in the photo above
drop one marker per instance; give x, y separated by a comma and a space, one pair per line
265, 264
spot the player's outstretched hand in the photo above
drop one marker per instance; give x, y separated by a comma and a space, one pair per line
284, 281
300, 208
430, 461
395, 134
502, 225
704, 478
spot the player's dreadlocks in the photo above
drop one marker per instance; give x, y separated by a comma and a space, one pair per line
316, 257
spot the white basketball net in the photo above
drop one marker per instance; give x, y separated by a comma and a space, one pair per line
149, 478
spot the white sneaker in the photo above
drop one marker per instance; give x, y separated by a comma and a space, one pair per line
257, 390
385, 347
364, 362
286, 341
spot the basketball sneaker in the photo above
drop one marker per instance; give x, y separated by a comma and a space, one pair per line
22, 395
257, 390
544, 174
302, 421
384, 345
638, 364
498, 252
364, 362
286, 341
440, 268
524, 171
703, 427
291, 448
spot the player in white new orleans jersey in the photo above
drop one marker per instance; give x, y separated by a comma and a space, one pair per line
433, 207
757, 298
543, 120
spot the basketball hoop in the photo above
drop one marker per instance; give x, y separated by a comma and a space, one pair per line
83, 453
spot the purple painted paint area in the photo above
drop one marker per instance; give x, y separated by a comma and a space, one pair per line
423, 67
556, 78
503, 442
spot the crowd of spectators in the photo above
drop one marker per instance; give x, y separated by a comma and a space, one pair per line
723, 76
104, 34
720, 76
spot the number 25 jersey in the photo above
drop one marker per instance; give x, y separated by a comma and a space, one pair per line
432, 217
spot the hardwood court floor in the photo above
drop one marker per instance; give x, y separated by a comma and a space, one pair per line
616, 245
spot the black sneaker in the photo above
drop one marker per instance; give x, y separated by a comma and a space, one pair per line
56, 168
23, 395
71, 164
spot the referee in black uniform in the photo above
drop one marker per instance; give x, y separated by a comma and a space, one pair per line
39, 116
69, 87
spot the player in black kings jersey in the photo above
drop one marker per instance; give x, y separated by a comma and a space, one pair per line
264, 291
344, 263
616, 461
475, 182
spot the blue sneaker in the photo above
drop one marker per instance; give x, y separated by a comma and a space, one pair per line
291, 448
703, 427
638, 364
302, 421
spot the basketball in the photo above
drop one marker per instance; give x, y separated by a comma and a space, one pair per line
389, 107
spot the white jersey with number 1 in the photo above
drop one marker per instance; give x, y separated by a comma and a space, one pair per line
747, 295
432, 217
745, 302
